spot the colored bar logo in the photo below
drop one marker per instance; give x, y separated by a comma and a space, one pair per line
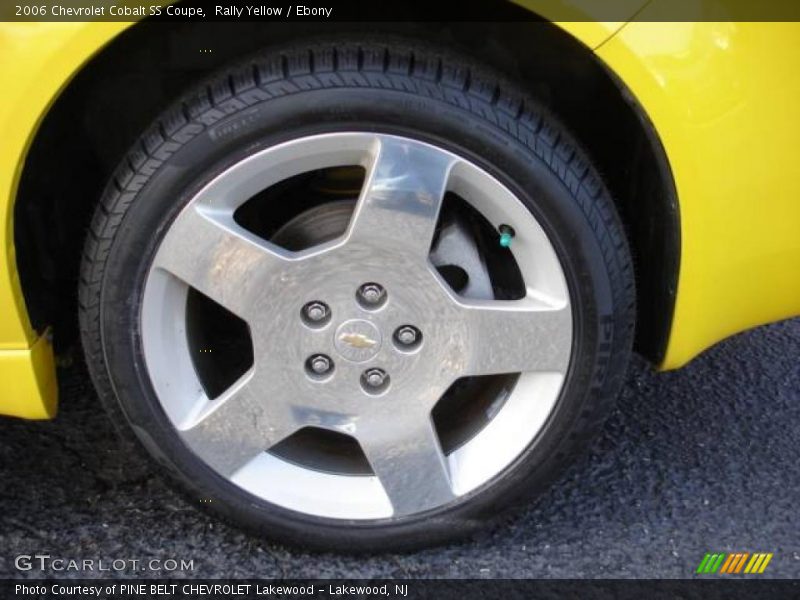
735, 562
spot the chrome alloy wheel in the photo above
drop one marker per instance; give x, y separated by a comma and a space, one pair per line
361, 334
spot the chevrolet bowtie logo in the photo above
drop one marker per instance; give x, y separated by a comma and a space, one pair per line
357, 340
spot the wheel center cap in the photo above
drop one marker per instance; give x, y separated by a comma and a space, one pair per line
357, 340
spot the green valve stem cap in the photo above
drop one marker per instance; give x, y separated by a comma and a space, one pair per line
506, 235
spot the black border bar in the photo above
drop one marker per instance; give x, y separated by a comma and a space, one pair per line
402, 589
399, 10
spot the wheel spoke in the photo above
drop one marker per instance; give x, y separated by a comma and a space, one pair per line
402, 196
207, 252
517, 336
236, 427
408, 460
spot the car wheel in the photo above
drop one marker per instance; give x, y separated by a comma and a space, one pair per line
357, 295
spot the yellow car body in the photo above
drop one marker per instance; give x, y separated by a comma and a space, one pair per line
722, 98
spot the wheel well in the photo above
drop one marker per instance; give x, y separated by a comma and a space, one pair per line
114, 98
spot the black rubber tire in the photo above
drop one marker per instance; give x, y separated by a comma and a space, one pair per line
396, 87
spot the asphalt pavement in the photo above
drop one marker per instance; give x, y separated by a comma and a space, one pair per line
697, 460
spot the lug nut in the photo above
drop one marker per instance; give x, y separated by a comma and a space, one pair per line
316, 312
371, 295
407, 335
319, 364
374, 377
375, 380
